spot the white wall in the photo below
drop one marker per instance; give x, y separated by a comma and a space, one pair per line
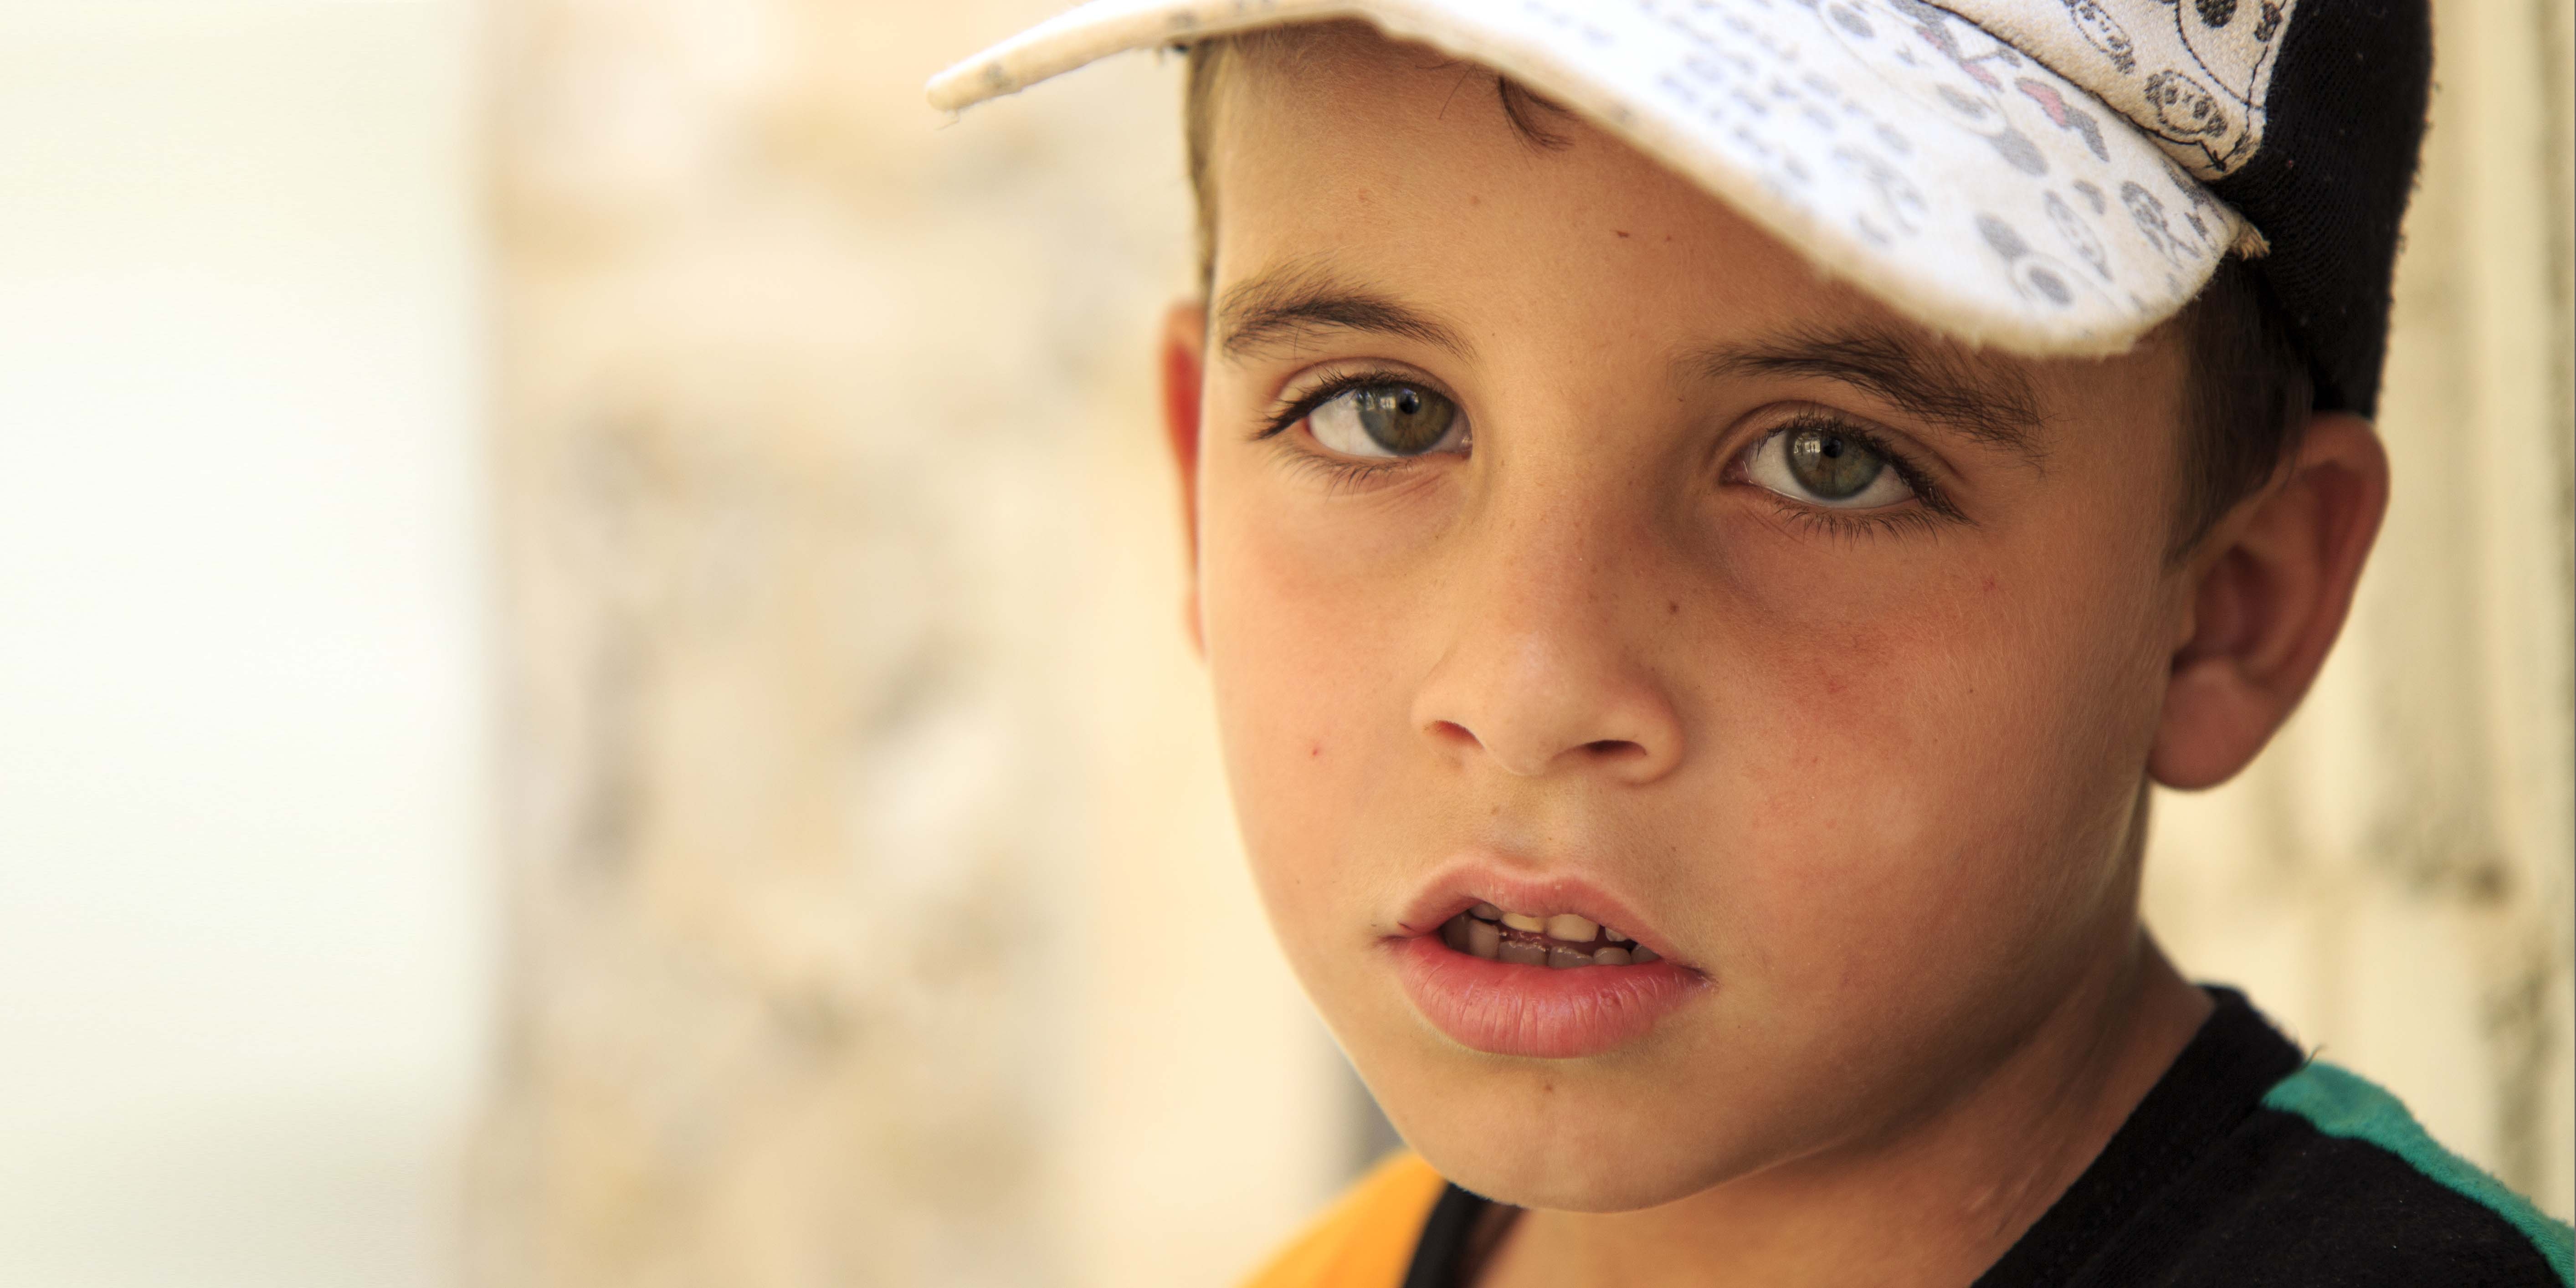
242, 706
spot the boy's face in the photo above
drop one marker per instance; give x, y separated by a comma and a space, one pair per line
1624, 568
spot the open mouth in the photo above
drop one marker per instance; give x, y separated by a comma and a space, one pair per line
1504, 981
1557, 941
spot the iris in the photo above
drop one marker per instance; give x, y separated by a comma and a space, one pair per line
1385, 420
1831, 466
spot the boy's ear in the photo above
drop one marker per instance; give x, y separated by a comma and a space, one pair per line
2273, 587
1184, 377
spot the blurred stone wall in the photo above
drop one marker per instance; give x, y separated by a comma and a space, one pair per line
875, 918
874, 913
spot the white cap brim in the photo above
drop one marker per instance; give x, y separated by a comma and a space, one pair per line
1899, 146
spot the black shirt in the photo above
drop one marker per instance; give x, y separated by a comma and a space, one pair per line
2246, 1164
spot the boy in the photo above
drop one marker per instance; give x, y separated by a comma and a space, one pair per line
1706, 520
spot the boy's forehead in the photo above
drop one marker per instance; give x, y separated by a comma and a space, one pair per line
1380, 114
1343, 50
1400, 165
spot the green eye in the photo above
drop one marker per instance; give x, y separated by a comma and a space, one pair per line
1831, 466
1828, 466
1390, 420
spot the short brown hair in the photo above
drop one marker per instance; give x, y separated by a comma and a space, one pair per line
2247, 390
2247, 396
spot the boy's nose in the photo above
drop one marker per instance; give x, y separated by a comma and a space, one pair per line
1545, 670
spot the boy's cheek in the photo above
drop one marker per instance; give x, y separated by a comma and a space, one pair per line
1312, 719
1913, 822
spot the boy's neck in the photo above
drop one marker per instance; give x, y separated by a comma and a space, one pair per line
1936, 1202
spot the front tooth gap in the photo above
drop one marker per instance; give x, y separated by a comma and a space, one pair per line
1485, 912
1524, 921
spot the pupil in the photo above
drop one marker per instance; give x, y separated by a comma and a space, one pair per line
1408, 402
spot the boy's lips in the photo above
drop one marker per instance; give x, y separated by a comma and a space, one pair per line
1516, 1005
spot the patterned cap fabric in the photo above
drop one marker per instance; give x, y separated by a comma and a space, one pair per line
2051, 177
2187, 74
2304, 116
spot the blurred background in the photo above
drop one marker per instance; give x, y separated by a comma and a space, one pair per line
591, 689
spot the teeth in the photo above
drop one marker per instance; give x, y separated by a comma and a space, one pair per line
1571, 928
1453, 932
1569, 941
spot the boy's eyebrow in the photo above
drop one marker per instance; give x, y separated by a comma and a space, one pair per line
1296, 300
1991, 404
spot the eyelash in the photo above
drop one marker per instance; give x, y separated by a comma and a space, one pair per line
1341, 475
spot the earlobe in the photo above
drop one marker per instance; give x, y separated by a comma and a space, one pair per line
2271, 595
1184, 382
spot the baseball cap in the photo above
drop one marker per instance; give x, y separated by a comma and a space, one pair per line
2049, 177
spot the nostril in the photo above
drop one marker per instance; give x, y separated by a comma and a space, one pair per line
1614, 749
1454, 732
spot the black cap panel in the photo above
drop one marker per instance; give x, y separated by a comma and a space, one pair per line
2329, 186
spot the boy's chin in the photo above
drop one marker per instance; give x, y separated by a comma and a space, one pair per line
1570, 1165
1529, 1177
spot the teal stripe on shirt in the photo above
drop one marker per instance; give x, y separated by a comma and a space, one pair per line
2340, 1103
